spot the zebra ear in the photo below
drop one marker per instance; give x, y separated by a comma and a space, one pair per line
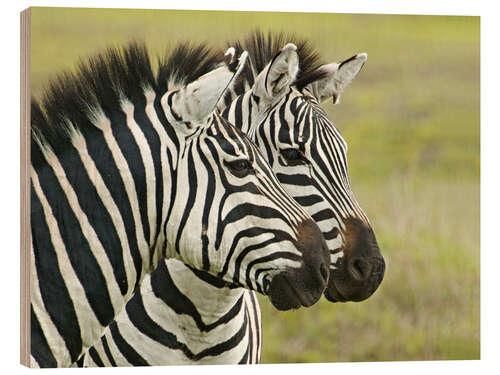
336, 78
192, 103
278, 75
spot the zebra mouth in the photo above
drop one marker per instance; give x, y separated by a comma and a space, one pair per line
332, 294
285, 296
348, 285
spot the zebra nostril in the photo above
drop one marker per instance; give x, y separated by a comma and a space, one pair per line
359, 269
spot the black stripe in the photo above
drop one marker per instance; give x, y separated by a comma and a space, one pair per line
224, 143
255, 98
226, 345
173, 189
338, 192
308, 200
80, 361
169, 102
225, 112
268, 259
249, 335
262, 136
306, 127
130, 150
209, 198
153, 139
163, 119
249, 209
56, 299
209, 279
294, 179
127, 351
165, 289
333, 156
258, 328
97, 214
257, 275
82, 260
283, 125
248, 233
95, 357
249, 118
323, 215
39, 347
246, 251
331, 234
238, 111
272, 128
107, 351
192, 186
228, 98
103, 159
141, 320
151, 329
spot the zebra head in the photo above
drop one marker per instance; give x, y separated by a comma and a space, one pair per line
230, 216
357, 261
282, 114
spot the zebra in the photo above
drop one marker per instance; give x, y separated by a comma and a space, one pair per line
179, 317
309, 156
129, 169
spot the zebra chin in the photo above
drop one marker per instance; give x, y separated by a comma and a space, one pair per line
284, 293
358, 274
302, 286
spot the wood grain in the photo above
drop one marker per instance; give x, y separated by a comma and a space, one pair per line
24, 189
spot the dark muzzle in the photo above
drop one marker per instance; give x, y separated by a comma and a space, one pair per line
303, 286
358, 274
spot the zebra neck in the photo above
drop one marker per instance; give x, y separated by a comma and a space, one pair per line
244, 111
114, 184
206, 308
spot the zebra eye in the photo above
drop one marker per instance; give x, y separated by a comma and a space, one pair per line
293, 156
240, 167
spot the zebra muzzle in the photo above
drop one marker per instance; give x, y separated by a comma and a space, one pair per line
359, 273
303, 286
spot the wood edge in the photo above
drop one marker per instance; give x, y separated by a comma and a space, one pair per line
25, 232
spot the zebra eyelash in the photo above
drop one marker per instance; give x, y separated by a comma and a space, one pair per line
293, 156
240, 167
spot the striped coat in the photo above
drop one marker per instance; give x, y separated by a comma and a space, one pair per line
126, 172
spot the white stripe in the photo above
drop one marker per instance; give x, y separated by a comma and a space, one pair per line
110, 205
54, 340
164, 141
99, 347
89, 233
85, 315
147, 160
103, 123
251, 329
113, 349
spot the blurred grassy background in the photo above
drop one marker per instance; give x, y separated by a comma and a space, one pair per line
411, 119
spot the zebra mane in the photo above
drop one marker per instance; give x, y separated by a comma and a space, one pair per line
263, 47
102, 82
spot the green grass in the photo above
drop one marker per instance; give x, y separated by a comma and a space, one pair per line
411, 119
428, 304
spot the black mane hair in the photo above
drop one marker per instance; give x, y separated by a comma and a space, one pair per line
102, 81
263, 47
